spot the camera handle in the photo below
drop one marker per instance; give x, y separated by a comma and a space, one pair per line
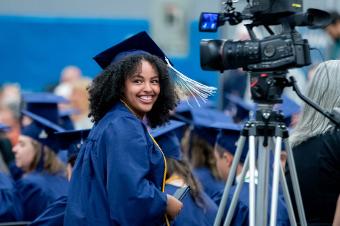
265, 131
331, 116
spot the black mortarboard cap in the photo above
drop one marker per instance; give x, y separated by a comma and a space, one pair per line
242, 107
71, 140
140, 43
44, 105
65, 120
227, 138
203, 119
42, 130
167, 139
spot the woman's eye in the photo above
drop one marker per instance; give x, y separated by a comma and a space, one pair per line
137, 81
155, 81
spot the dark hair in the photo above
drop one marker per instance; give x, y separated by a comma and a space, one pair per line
200, 152
183, 170
52, 164
108, 88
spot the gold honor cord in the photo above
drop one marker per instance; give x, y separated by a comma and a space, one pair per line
164, 175
164, 160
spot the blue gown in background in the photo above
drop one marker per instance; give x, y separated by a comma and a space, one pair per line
211, 185
37, 190
118, 175
192, 214
53, 215
10, 207
241, 214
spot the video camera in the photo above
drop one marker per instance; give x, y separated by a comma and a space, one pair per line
275, 52
266, 59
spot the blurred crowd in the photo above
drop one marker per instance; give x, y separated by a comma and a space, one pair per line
42, 132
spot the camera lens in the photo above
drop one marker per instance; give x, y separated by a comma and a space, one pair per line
223, 54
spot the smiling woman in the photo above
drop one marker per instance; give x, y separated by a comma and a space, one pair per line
142, 89
120, 168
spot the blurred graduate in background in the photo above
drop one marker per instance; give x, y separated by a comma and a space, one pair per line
198, 146
198, 209
10, 207
44, 178
225, 148
55, 212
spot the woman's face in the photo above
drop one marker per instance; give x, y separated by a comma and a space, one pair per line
24, 152
142, 89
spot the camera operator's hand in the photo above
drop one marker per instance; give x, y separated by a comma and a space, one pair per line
174, 206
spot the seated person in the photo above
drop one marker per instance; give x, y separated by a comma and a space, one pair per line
70, 140
198, 209
10, 207
44, 179
225, 149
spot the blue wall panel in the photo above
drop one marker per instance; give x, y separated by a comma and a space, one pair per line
34, 50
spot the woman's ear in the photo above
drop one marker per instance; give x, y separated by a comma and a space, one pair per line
228, 158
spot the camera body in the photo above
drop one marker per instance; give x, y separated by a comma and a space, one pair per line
277, 52
266, 7
267, 60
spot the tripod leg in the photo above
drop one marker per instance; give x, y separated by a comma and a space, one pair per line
262, 185
288, 201
286, 196
236, 195
230, 180
252, 169
295, 184
275, 186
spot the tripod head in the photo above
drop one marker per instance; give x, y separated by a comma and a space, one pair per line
266, 89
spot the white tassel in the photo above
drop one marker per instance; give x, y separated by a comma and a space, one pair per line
187, 87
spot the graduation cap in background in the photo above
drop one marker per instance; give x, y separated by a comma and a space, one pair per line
65, 118
242, 107
142, 43
288, 108
44, 105
71, 141
184, 107
41, 130
202, 119
168, 140
227, 138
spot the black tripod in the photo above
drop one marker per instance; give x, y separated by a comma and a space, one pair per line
267, 131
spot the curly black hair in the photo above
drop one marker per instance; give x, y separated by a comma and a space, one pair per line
108, 88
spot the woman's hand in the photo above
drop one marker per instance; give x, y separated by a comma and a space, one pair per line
173, 207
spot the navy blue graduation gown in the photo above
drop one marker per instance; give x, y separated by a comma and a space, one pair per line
118, 175
15, 172
192, 214
37, 190
53, 215
241, 214
210, 184
10, 207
